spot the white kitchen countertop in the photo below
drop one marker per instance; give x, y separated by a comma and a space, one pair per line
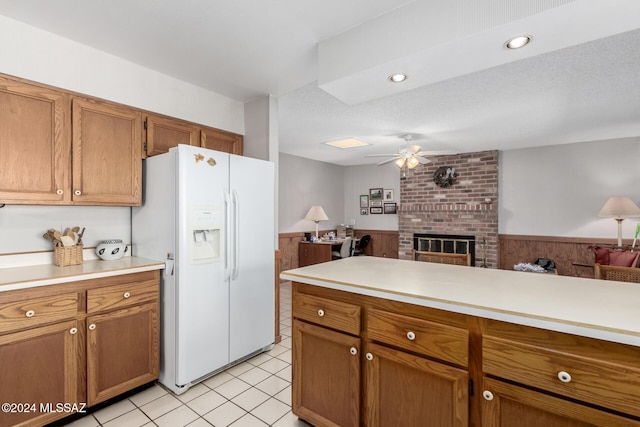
587, 307
49, 274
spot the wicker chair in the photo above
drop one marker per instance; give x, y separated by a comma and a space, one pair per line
621, 274
442, 258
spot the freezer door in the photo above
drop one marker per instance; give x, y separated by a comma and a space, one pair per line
202, 291
252, 292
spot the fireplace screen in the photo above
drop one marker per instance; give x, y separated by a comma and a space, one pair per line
447, 243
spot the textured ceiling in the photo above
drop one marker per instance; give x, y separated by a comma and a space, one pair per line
327, 62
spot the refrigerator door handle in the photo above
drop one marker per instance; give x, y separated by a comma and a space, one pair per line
236, 234
227, 232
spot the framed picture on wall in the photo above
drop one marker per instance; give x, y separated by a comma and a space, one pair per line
364, 211
375, 211
364, 201
376, 203
390, 208
388, 195
375, 193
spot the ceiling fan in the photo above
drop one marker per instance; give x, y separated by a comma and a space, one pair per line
408, 155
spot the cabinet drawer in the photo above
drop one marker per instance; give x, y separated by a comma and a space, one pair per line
332, 314
36, 311
420, 336
597, 381
119, 296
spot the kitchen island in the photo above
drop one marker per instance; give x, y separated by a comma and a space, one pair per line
411, 343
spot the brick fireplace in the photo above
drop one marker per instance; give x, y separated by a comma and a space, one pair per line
468, 207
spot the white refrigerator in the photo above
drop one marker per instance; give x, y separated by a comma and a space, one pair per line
210, 216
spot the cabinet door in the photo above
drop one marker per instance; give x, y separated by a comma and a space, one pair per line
122, 351
216, 139
405, 390
326, 376
107, 154
507, 405
164, 133
34, 144
39, 366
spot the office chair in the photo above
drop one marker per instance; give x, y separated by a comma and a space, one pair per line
346, 250
362, 245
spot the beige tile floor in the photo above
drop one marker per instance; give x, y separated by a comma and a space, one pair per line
254, 393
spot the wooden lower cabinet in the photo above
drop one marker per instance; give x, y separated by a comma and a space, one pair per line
363, 360
122, 351
326, 376
38, 367
508, 405
408, 390
77, 343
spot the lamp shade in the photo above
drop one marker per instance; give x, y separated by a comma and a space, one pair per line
619, 207
316, 214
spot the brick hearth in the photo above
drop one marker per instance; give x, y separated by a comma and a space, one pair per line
468, 207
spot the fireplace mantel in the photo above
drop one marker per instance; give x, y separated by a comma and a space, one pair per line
440, 207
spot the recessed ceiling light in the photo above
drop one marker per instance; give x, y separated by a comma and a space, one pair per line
397, 78
517, 42
347, 143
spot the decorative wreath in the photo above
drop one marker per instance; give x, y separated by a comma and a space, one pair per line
445, 176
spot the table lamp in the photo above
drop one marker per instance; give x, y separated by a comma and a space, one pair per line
316, 214
619, 208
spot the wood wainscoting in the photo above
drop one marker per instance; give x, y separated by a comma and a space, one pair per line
566, 252
384, 243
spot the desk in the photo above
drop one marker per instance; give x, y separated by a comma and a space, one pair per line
315, 253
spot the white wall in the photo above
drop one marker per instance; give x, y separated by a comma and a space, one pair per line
36, 55
43, 57
358, 180
304, 183
558, 190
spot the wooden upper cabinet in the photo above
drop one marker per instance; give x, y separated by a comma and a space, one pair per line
34, 144
107, 154
165, 132
216, 139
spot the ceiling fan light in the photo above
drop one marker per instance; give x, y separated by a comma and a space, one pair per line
400, 162
412, 162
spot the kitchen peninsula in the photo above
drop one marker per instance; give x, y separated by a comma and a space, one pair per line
379, 341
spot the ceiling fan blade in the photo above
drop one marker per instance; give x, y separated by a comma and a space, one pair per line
384, 162
383, 155
422, 160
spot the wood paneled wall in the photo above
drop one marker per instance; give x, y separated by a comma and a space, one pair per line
384, 243
565, 251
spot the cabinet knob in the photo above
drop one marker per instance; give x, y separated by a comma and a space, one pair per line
321, 312
487, 395
30, 313
353, 350
77, 192
73, 331
369, 356
411, 336
59, 192
126, 294
92, 326
565, 377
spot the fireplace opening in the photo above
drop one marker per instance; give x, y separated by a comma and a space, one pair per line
446, 243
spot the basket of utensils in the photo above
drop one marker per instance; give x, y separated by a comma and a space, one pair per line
67, 245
